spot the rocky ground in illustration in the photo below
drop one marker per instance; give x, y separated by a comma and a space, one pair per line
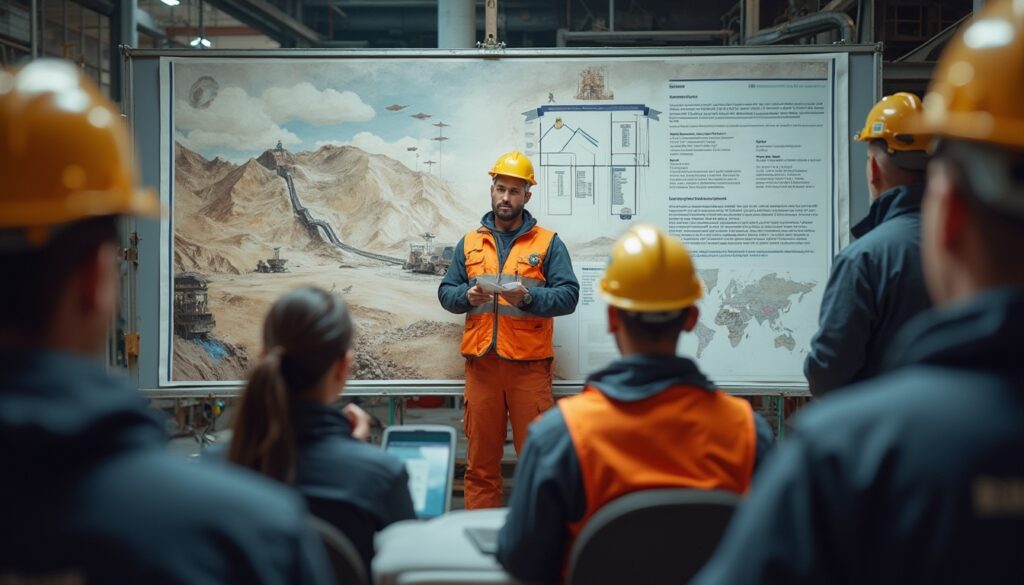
209, 359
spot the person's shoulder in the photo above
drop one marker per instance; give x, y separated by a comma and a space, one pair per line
904, 229
920, 429
926, 400
861, 400
555, 239
228, 488
194, 505
857, 252
346, 455
540, 228
886, 240
550, 427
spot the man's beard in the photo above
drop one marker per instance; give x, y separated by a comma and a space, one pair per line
507, 214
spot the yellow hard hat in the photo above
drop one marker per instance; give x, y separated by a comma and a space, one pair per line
64, 152
650, 271
888, 121
514, 164
975, 92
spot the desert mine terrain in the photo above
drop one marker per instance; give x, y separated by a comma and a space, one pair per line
227, 217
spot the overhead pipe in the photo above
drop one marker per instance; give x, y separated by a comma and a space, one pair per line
805, 26
34, 23
866, 20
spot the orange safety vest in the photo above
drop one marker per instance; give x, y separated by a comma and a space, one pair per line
684, 436
520, 335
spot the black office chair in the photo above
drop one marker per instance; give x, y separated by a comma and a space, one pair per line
653, 536
345, 560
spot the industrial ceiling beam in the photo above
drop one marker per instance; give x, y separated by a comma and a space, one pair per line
431, 4
104, 7
269, 20
213, 31
148, 25
929, 50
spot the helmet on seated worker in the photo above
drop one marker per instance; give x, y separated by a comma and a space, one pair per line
650, 272
65, 153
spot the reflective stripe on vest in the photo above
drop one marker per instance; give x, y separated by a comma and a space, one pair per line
520, 335
683, 437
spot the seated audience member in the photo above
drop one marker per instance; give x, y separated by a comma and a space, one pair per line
649, 420
285, 426
89, 493
917, 476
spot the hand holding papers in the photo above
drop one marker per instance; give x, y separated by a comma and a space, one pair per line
498, 289
482, 291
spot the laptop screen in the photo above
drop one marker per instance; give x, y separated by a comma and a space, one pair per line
429, 459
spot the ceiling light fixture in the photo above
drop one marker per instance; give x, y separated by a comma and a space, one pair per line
201, 42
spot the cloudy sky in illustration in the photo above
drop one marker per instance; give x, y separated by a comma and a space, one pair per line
238, 110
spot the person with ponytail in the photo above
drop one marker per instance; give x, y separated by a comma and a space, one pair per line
285, 426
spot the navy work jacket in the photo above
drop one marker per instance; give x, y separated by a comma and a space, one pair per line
89, 493
875, 287
912, 477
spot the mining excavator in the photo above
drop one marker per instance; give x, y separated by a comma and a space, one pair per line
429, 258
275, 264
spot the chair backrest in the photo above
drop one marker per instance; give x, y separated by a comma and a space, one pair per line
355, 522
345, 560
653, 536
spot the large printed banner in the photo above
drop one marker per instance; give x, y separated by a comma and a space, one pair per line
359, 175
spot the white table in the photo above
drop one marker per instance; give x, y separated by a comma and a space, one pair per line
438, 552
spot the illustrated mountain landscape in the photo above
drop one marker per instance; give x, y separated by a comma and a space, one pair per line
337, 217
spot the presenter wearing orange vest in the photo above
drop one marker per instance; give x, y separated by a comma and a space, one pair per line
507, 337
649, 420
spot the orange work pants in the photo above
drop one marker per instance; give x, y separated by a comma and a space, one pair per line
496, 390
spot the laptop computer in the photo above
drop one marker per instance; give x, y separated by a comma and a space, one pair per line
429, 455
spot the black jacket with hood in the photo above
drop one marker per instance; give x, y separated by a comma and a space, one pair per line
90, 495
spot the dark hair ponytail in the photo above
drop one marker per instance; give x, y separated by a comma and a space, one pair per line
263, 437
305, 333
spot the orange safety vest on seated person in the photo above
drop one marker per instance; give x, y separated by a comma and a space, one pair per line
520, 335
682, 437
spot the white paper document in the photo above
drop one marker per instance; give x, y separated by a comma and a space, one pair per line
497, 288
